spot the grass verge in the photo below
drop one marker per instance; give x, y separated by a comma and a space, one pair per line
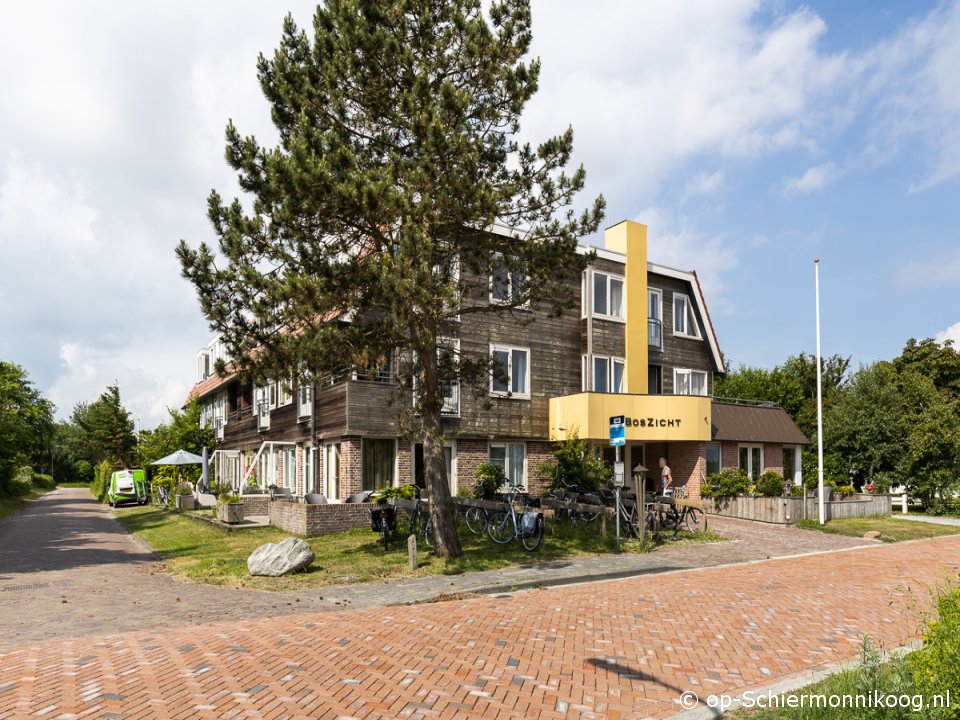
203, 553
891, 529
10, 505
74, 485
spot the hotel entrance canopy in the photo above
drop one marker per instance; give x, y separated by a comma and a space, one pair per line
648, 417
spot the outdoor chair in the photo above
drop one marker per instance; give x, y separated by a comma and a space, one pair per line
315, 499
360, 497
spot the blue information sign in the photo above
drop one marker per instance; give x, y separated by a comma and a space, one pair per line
618, 430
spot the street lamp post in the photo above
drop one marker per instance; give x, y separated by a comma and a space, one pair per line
816, 265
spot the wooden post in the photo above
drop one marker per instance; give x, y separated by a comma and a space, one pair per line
603, 524
412, 551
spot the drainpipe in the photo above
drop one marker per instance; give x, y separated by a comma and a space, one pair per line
313, 436
588, 292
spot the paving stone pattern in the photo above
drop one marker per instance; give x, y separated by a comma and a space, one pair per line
76, 571
614, 649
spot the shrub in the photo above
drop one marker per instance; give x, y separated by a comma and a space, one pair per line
769, 484
44, 482
402, 492
844, 490
936, 665
573, 463
227, 498
184, 489
19, 487
796, 491
488, 480
729, 482
835, 470
101, 480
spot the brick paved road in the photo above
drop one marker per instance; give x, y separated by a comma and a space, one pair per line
617, 649
67, 568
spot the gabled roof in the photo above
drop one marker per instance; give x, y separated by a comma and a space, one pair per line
755, 423
691, 277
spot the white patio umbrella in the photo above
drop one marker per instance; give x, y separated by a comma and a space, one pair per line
180, 457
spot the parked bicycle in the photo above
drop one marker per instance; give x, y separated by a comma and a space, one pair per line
525, 526
682, 516
383, 520
420, 523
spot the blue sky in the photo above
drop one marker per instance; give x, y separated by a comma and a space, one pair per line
750, 136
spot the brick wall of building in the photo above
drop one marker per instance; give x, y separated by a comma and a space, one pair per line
773, 458
538, 452
688, 465
351, 466
470, 453
729, 455
314, 520
404, 462
255, 504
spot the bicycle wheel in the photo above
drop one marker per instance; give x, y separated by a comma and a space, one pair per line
633, 522
427, 533
532, 542
500, 527
476, 520
695, 520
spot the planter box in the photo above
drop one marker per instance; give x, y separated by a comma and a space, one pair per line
186, 502
231, 513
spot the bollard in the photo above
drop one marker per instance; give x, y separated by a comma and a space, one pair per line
603, 524
412, 551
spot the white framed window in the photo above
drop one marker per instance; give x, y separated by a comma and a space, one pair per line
583, 294
203, 365
608, 300
285, 392
655, 317
288, 459
751, 461
449, 459
379, 463
793, 464
511, 375
506, 285
714, 458
311, 484
331, 470
608, 374
448, 351
684, 321
689, 382
512, 457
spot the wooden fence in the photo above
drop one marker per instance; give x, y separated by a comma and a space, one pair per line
787, 510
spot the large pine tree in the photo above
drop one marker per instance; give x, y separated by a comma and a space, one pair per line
398, 122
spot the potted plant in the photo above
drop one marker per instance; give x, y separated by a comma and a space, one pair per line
229, 509
185, 499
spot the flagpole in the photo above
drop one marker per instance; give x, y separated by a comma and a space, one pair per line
816, 265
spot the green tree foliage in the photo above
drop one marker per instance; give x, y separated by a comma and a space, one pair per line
182, 431
26, 423
899, 422
792, 386
397, 122
105, 430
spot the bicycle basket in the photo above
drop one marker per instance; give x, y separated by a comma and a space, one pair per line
380, 515
529, 523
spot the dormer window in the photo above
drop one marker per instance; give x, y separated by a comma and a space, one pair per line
684, 321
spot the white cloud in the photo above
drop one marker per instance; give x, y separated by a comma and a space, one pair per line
952, 333
815, 178
150, 381
675, 241
703, 183
658, 83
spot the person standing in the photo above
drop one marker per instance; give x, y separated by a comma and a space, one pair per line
666, 479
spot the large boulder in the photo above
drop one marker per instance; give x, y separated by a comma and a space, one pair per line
276, 559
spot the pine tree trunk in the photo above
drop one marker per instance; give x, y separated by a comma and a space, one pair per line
446, 542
